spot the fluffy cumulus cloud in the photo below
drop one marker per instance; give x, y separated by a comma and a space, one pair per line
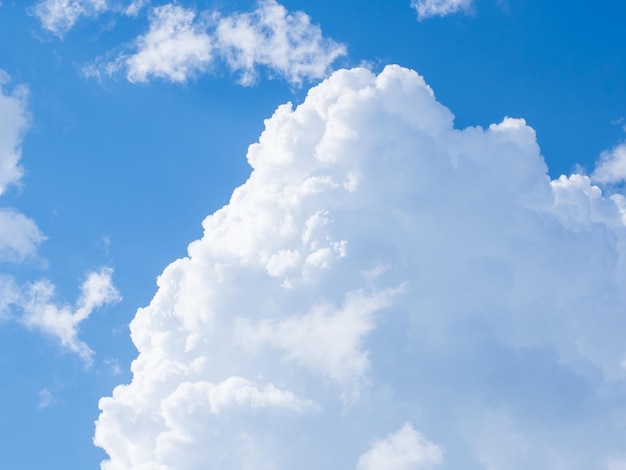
42, 313
181, 43
175, 47
285, 43
381, 267
430, 8
19, 235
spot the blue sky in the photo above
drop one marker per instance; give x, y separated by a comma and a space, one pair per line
445, 304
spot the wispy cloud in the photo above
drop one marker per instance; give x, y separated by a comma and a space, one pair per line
175, 48
404, 450
46, 399
13, 124
9, 296
611, 167
61, 322
19, 235
287, 44
429, 8
135, 7
59, 16
181, 44
20, 238
327, 340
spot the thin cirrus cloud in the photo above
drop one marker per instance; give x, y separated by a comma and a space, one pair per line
181, 44
429, 8
381, 267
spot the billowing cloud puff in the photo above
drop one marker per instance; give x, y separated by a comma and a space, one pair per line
380, 267
429, 8
181, 44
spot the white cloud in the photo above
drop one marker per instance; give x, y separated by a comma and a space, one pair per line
328, 340
61, 322
19, 235
46, 399
19, 239
9, 295
135, 7
59, 16
113, 366
181, 44
616, 463
286, 43
13, 124
611, 168
176, 47
238, 392
509, 323
407, 449
430, 8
